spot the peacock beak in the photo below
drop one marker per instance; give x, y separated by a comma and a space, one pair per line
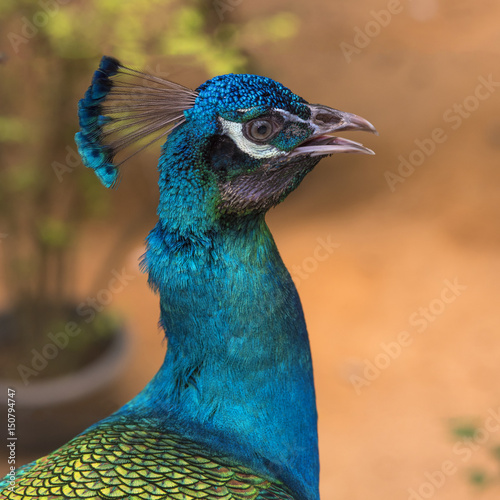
324, 122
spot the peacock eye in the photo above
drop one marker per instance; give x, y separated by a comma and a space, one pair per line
260, 130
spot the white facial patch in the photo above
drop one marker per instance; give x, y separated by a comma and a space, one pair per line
234, 130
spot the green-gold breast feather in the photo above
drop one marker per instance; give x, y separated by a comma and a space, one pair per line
123, 460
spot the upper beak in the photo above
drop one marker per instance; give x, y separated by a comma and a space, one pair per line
324, 122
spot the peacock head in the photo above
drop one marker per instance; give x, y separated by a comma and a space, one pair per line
252, 137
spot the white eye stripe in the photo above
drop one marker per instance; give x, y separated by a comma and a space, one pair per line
234, 130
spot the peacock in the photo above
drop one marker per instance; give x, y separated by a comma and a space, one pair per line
231, 413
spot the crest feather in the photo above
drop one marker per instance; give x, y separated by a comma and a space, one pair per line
121, 107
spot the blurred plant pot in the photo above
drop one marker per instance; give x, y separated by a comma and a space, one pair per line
50, 411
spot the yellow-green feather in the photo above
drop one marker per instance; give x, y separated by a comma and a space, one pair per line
134, 461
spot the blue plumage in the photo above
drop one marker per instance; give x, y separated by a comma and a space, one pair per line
94, 154
236, 386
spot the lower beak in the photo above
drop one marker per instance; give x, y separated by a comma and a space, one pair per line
325, 121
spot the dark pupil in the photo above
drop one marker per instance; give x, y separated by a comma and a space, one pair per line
262, 129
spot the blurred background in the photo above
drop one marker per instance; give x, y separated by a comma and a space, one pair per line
396, 256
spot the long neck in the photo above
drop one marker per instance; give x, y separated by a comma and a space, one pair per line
237, 374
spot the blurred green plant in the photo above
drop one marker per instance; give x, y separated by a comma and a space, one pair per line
54, 48
469, 434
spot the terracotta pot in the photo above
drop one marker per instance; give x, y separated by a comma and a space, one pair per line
50, 412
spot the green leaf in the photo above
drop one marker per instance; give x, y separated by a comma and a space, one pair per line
21, 178
463, 429
281, 26
54, 233
12, 129
7, 6
478, 477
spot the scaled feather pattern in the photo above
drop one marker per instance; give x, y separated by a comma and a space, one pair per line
136, 461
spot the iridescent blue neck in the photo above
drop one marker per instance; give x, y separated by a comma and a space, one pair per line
237, 374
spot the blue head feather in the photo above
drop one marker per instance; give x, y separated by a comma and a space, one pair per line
226, 95
115, 113
94, 154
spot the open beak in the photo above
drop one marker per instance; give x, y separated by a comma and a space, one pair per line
325, 121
